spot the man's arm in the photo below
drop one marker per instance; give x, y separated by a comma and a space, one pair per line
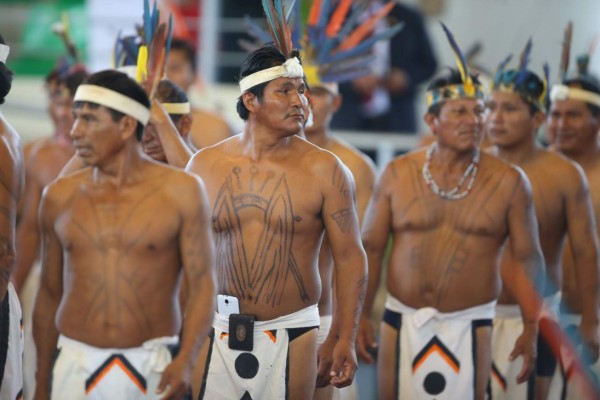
584, 245
375, 234
177, 152
365, 179
45, 333
341, 227
525, 277
28, 230
196, 249
10, 184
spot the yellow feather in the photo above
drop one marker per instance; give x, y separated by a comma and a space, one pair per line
141, 73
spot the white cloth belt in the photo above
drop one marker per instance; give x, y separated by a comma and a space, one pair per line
306, 317
423, 315
160, 357
508, 311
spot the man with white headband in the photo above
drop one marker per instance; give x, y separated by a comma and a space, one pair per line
165, 136
274, 195
117, 236
449, 209
573, 123
11, 179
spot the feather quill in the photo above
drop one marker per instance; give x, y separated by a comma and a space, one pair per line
461, 62
566, 52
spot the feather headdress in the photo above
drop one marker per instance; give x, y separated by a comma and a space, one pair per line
71, 59
522, 81
336, 44
466, 89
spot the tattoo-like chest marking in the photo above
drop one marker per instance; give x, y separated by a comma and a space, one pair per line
261, 275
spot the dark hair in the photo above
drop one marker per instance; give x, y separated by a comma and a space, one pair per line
168, 92
120, 83
75, 77
265, 57
188, 50
530, 87
6, 76
452, 77
588, 83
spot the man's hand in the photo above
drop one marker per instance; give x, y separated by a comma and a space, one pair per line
158, 115
344, 364
526, 347
324, 362
589, 335
175, 382
366, 345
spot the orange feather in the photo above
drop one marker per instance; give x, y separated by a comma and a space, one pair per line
337, 19
364, 29
313, 16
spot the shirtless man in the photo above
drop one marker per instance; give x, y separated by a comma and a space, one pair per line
273, 197
449, 210
207, 128
113, 256
562, 204
11, 179
325, 101
574, 122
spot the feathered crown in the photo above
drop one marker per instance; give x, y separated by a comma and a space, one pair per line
563, 92
143, 56
335, 44
522, 81
466, 89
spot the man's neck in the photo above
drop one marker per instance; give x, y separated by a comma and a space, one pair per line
260, 142
120, 170
321, 137
450, 159
518, 154
586, 156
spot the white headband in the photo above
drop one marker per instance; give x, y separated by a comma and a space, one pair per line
290, 69
111, 99
177, 108
4, 50
563, 92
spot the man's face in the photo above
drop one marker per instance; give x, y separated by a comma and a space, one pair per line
324, 105
572, 126
152, 145
63, 109
508, 120
179, 70
95, 136
283, 105
459, 125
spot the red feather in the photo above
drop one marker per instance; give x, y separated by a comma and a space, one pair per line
156, 59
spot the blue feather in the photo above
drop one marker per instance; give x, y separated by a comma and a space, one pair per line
523, 62
294, 13
326, 46
457, 52
347, 76
547, 81
147, 21
256, 31
351, 21
271, 21
280, 14
155, 20
323, 15
500, 70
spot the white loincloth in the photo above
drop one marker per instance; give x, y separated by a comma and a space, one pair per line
508, 326
260, 374
85, 372
11, 346
324, 328
436, 359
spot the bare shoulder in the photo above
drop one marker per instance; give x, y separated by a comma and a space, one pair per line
61, 190
567, 171
178, 185
357, 161
406, 163
508, 177
208, 156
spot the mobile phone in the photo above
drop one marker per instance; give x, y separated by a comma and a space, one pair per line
227, 305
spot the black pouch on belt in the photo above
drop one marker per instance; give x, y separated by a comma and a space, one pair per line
241, 332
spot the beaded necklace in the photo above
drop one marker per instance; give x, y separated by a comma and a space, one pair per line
455, 193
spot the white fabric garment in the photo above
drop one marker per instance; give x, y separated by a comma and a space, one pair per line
436, 360
91, 373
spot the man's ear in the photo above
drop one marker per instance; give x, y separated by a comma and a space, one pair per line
185, 125
337, 102
248, 100
432, 122
127, 126
538, 119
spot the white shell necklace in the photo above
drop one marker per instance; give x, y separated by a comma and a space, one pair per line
455, 193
